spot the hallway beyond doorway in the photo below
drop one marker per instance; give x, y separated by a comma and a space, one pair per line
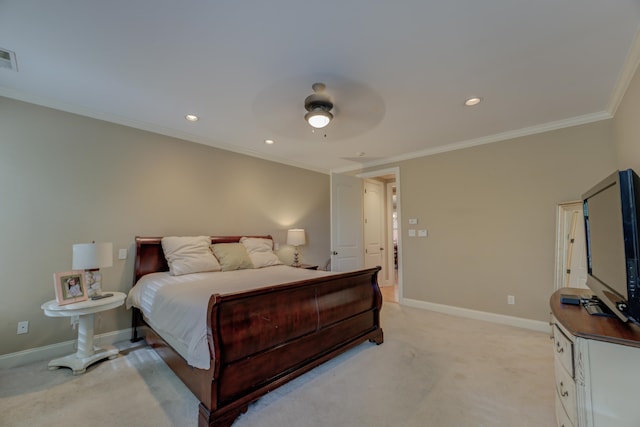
389, 293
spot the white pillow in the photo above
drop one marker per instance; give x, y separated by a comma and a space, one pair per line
260, 251
189, 254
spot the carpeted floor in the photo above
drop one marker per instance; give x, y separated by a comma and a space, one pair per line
432, 370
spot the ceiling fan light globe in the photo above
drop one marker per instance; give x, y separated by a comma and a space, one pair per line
318, 118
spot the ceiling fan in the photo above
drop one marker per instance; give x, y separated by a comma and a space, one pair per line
350, 108
318, 106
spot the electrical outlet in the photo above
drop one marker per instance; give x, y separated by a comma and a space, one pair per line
23, 327
511, 299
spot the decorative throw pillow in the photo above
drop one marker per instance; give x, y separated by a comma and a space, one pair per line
189, 254
260, 251
232, 256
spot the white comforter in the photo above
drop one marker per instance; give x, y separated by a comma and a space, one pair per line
176, 306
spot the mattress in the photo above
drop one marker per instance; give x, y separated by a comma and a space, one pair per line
176, 306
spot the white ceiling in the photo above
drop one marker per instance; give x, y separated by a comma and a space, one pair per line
398, 72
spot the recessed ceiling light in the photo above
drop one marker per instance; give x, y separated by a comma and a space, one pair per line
191, 117
472, 101
269, 141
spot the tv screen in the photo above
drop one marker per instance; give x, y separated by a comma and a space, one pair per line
611, 225
606, 238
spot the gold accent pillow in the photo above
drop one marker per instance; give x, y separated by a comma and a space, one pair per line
232, 256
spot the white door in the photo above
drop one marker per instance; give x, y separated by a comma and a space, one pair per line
346, 223
374, 225
576, 252
571, 254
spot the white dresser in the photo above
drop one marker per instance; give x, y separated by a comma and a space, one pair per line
597, 367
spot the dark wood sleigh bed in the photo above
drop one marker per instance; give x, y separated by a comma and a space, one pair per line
261, 339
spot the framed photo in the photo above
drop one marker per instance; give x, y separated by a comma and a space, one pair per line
70, 287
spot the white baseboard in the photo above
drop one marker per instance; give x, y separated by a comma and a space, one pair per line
519, 322
53, 351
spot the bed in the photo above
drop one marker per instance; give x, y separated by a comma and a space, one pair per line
259, 339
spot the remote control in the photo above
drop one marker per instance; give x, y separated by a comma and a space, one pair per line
570, 299
101, 296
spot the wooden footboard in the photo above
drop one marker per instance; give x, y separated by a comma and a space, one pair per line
261, 339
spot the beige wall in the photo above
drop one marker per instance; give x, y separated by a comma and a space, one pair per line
490, 210
68, 179
627, 127
491, 215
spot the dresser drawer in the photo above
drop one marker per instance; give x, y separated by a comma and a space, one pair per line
563, 348
562, 419
566, 391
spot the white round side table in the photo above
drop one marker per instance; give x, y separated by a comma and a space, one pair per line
87, 353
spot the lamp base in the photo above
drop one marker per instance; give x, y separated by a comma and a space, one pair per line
296, 261
93, 282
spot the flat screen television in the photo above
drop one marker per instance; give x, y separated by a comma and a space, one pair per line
613, 251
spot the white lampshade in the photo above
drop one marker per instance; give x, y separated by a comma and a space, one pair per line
318, 118
295, 237
90, 256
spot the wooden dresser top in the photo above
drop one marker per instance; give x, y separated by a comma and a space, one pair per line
576, 320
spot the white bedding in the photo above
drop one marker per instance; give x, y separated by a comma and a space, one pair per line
176, 306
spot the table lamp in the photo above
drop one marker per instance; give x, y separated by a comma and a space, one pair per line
295, 238
91, 257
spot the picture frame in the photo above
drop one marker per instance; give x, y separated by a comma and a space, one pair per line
70, 287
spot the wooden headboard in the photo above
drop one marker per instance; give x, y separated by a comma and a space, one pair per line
150, 257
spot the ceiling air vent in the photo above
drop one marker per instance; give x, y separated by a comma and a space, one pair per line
8, 60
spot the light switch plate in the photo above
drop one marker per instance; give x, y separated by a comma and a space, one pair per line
122, 254
412, 233
422, 233
413, 221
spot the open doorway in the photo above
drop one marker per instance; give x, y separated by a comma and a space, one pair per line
349, 248
389, 180
571, 258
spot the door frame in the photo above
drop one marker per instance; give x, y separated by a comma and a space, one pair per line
561, 241
392, 171
381, 212
389, 230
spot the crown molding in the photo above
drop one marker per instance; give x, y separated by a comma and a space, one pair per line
546, 127
626, 75
624, 79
